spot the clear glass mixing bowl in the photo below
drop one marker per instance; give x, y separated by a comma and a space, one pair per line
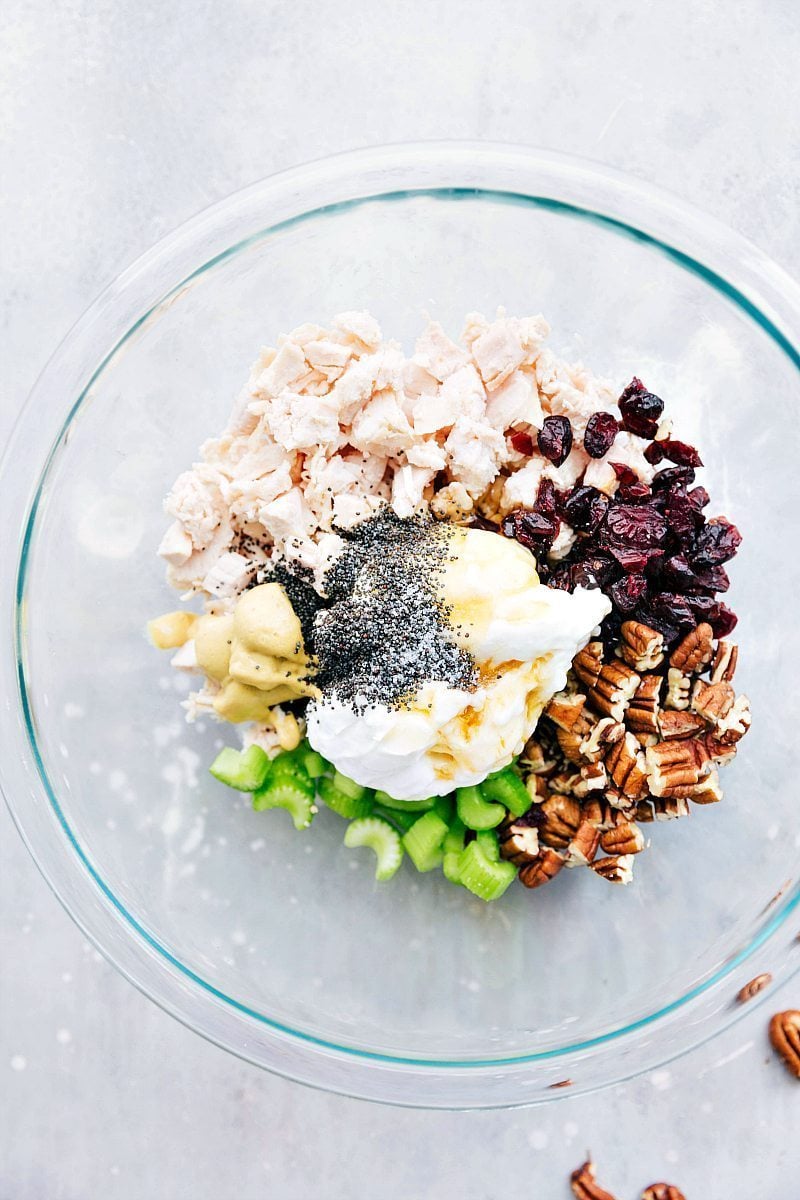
280, 947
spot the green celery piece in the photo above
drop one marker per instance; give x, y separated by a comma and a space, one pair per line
387, 801
506, 788
475, 812
295, 795
489, 843
400, 820
423, 841
381, 838
484, 878
450, 867
314, 765
454, 841
348, 786
244, 770
444, 807
345, 805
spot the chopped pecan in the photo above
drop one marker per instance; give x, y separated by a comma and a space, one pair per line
565, 710
605, 733
672, 766
736, 722
616, 869
641, 647
625, 838
594, 778
723, 668
644, 813
562, 1083
588, 663
561, 818
490, 503
519, 842
669, 808
678, 688
693, 654
755, 986
534, 758
712, 701
718, 751
585, 1186
570, 741
662, 1191
600, 813
542, 869
624, 806
626, 766
614, 689
642, 715
784, 1033
583, 846
675, 724
563, 782
707, 791
537, 788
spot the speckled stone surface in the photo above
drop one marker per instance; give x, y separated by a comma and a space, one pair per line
118, 121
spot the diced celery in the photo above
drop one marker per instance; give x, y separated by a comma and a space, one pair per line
244, 770
475, 812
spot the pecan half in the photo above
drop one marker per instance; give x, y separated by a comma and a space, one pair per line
718, 751
669, 808
723, 668
784, 1033
542, 869
662, 1191
605, 733
565, 710
617, 869
588, 663
627, 767
707, 791
736, 722
594, 778
600, 813
534, 758
675, 765
583, 847
675, 724
755, 986
641, 647
625, 838
563, 782
712, 701
561, 818
585, 1186
570, 742
678, 688
519, 842
614, 689
643, 710
694, 652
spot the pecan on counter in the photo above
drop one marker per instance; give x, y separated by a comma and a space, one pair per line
585, 1186
784, 1033
641, 647
643, 712
754, 986
560, 818
605, 733
626, 764
616, 869
565, 710
723, 667
669, 808
594, 778
614, 689
542, 869
625, 838
693, 654
534, 758
736, 722
678, 688
673, 766
662, 1191
675, 724
519, 840
712, 701
583, 847
588, 663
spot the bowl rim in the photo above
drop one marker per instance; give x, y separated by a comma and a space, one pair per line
697, 242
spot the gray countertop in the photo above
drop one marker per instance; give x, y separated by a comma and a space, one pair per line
118, 121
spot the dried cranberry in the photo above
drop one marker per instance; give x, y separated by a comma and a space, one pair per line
533, 530
623, 472
641, 410
678, 452
627, 592
555, 439
546, 498
676, 572
634, 493
560, 577
632, 558
713, 579
584, 508
680, 514
662, 480
699, 498
648, 616
636, 525
594, 571
673, 608
479, 522
723, 621
610, 633
601, 430
716, 544
522, 442
703, 607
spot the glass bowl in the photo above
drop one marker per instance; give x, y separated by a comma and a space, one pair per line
280, 947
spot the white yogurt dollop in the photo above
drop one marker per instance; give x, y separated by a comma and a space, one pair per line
522, 636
